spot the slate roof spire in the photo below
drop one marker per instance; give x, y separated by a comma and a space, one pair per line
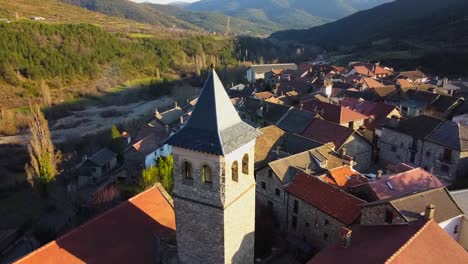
214, 126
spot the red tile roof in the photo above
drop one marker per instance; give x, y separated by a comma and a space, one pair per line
416, 243
343, 177
331, 112
330, 200
324, 132
407, 182
377, 112
363, 70
371, 83
404, 83
263, 95
381, 70
124, 234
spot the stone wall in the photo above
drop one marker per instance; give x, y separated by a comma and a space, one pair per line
361, 150
432, 160
314, 228
375, 215
264, 196
395, 147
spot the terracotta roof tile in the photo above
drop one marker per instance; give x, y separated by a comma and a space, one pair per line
324, 131
343, 177
124, 234
331, 112
408, 182
330, 200
416, 243
263, 95
371, 83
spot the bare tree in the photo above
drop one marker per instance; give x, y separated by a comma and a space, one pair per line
42, 168
46, 97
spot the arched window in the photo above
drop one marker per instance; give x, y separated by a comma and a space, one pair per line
187, 170
235, 171
245, 164
206, 174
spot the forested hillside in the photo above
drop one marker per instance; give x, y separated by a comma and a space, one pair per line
66, 54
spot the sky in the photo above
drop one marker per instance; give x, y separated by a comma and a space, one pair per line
164, 1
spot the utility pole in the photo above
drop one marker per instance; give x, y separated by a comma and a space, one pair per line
228, 25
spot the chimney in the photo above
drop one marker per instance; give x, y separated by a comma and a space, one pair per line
393, 122
429, 212
175, 104
343, 152
181, 119
302, 105
379, 174
156, 112
346, 234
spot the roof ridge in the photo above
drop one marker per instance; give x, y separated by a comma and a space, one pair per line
404, 246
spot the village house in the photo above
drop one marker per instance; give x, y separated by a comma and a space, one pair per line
346, 141
416, 242
173, 118
272, 179
461, 198
437, 145
335, 113
414, 77
97, 167
296, 120
262, 112
256, 72
436, 204
397, 185
147, 147
316, 213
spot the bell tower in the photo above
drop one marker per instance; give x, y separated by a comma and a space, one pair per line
214, 185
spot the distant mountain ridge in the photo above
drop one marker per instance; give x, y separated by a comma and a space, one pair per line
421, 21
286, 13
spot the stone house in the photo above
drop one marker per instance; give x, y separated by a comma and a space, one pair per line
262, 112
316, 213
436, 145
436, 204
257, 72
346, 140
335, 113
272, 179
98, 166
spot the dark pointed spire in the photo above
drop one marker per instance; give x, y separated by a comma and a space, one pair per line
214, 126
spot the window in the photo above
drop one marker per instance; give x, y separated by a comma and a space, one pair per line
294, 222
235, 171
206, 174
263, 185
428, 154
245, 164
325, 236
187, 170
307, 224
270, 204
444, 168
455, 230
394, 148
447, 155
270, 173
296, 206
388, 216
277, 192
327, 222
412, 157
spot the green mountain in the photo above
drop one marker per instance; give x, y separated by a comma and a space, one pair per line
172, 16
420, 22
286, 14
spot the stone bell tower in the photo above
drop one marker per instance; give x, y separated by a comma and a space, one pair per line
214, 185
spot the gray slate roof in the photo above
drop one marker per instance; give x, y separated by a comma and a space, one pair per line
214, 126
102, 157
296, 120
451, 135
